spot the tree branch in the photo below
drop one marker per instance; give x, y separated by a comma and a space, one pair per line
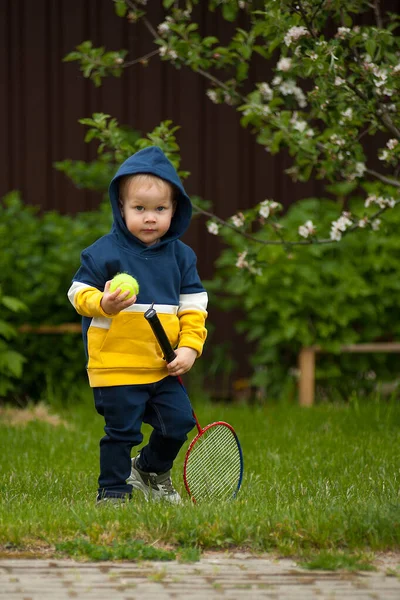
283, 242
383, 178
376, 5
141, 59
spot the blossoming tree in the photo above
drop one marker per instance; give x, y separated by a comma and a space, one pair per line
334, 82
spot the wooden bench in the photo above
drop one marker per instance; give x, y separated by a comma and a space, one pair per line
307, 365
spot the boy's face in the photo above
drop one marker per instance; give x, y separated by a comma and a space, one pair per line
147, 209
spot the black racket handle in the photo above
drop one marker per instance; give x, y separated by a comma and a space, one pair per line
158, 330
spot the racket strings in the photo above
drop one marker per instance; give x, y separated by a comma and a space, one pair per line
213, 467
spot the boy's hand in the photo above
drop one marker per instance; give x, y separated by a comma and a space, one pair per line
113, 302
183, 362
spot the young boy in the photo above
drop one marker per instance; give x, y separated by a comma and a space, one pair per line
131, 381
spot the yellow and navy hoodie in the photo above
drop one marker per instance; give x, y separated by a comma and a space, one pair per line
121, 349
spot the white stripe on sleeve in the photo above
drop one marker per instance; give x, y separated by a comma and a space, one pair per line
193, 302
77, 287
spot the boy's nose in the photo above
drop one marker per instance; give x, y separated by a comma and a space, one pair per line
150, 218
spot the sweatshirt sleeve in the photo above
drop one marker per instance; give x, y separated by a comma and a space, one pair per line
87, 287
192, 311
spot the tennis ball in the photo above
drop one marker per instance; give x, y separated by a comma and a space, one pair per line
125, 282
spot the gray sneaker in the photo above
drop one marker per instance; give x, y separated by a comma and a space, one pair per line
153, 485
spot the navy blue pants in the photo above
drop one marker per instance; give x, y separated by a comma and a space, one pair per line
164, 405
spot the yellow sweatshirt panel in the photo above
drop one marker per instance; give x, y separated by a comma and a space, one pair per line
192, 329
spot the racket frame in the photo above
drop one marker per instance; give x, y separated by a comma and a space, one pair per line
169, 355
201, 432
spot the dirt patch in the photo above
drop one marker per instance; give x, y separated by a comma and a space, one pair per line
23, 416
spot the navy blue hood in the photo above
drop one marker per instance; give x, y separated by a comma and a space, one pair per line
151, 160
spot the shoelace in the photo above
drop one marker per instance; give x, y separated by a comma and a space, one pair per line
166, 485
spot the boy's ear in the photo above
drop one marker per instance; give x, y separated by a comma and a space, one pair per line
121, 206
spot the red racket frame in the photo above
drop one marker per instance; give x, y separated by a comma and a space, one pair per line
201, 432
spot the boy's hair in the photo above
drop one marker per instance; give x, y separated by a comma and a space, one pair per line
149, 179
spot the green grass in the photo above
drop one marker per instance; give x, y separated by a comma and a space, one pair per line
319, 483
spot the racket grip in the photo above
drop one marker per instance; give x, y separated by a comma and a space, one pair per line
160, 334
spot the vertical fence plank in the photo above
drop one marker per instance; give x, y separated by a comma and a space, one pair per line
307, 376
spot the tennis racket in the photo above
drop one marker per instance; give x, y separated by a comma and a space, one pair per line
213, 467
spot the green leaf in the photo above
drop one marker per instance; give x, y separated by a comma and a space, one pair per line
13, 304
371, 47
229, 11
7, 331
121, 8
11, 363
347, 20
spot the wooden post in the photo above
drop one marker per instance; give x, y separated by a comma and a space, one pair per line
307, 376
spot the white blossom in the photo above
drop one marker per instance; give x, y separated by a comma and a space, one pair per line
391, 144
380, 201
343, 32
264, 210
335, 234
238, 220
348, 113
266, 91
307, 229
396, 69
363, 222
212, 94
339, 81
163, 28
313, 56
340, 226
380, 74
228, 99
241, 262
165, 51
300, 125
384, 155
294, 33
289, 87
359, 170
268, 207
213, 228
338, 141
284, 64
376, 223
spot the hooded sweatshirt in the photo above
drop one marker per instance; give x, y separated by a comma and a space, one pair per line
121, 349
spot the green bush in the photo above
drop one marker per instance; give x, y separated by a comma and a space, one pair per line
329, 294
10, 361
39, 254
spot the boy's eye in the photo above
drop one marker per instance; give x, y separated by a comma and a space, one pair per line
161, 208
139, 208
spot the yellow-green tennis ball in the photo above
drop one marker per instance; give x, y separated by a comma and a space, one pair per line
125, 283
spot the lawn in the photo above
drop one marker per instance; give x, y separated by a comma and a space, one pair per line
322, 481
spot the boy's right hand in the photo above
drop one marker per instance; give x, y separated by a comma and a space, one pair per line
113, 302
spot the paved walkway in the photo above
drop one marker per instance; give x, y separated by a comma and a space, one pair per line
215, 576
